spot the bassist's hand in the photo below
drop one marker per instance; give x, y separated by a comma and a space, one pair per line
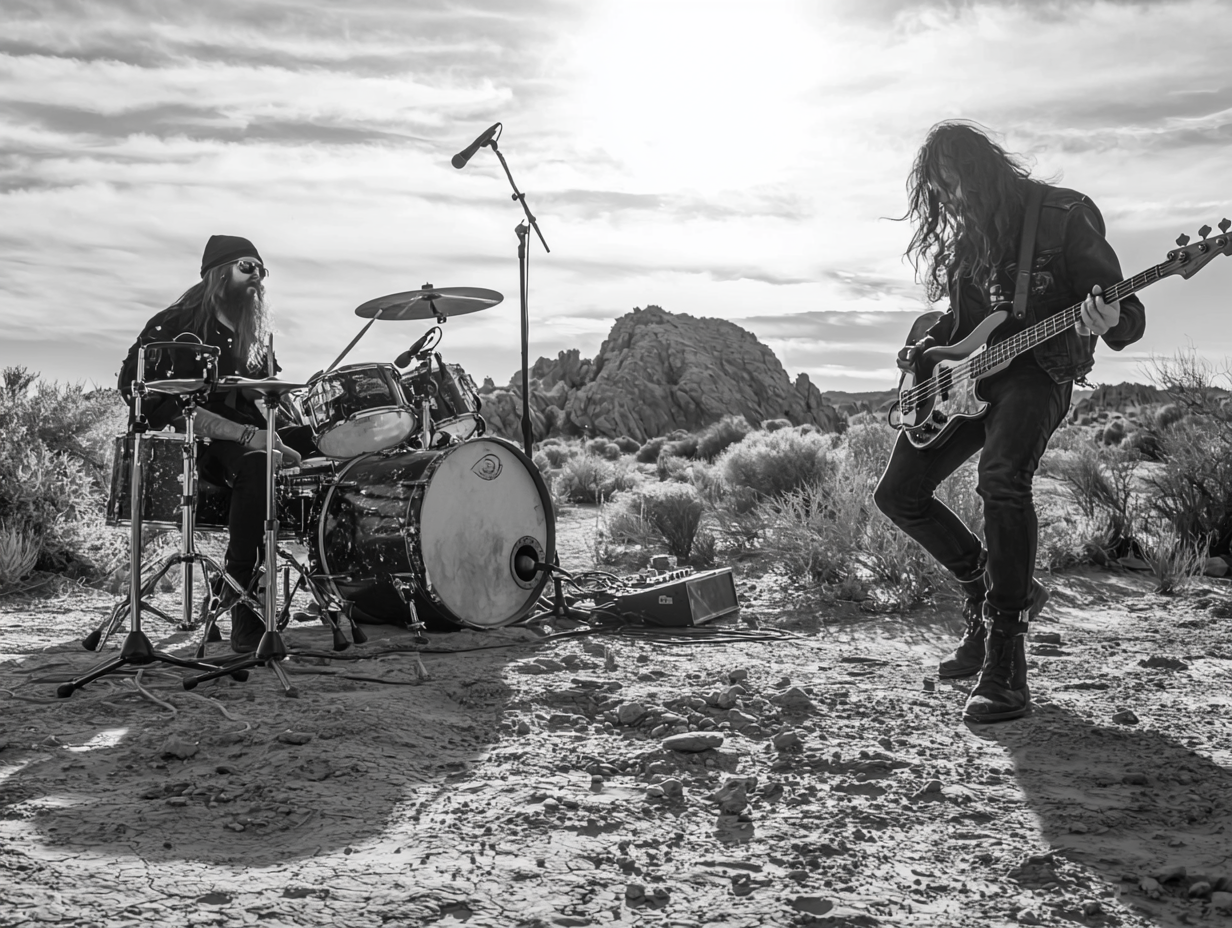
908, 359
1097, 317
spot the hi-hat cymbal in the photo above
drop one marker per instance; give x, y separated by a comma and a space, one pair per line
269, 385
430, 303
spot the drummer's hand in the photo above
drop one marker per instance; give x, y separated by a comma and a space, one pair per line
283, 455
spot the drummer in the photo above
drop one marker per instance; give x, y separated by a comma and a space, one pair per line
226, 309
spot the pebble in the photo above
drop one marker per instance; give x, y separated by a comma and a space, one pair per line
1166, 663
1135, 779
792, 698
630, 713
1092, 907
932, 786
787, 740
1028, 917
523, 727
1221, 901
813, 905
739, 719
693, 741
635, 891
1199, 889
729, 696
735, 676
1150, 886
175, 746
672, 788
1169, 874
733, 796
295, 737
1125, 717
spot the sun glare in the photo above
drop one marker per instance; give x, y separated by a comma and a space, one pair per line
700, 95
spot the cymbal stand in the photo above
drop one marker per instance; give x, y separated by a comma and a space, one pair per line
271, 649
137, 649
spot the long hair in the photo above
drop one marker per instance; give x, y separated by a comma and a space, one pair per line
250, 313
985, 225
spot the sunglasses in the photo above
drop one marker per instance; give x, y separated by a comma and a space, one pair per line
247, 266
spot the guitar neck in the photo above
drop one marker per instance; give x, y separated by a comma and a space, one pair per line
1028, 338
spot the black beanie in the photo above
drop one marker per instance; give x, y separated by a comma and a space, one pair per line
221, 249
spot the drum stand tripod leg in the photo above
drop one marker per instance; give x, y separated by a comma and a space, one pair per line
271, 650
328, 611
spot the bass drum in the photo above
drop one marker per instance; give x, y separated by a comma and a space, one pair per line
458, 529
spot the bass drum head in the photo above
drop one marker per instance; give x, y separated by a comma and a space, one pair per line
484, 506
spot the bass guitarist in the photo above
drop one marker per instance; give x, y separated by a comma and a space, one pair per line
968, 200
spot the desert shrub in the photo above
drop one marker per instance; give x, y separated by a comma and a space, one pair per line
1114, 432
540, 460
718, 436
1174, 560
685, 447
55, 470
1101, 483
1192, 484
807, 428
628, 524
557, 454
627, 445
611, 451
677, 434
773, 425
675, 510
775, 463
1167, 415
705, 549
19, 551
1192, 487
595, 446
649, 452
583, 479
624, 477
670, 466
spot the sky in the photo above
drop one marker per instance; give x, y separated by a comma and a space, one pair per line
740, 160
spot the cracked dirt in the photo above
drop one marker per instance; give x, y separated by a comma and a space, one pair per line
527, 781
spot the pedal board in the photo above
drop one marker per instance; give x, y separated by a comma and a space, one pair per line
682, 598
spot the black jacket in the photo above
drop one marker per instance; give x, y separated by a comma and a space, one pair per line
1071, 257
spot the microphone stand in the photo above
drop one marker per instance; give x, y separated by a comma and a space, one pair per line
524, 294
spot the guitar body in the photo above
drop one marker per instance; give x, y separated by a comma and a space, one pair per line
929, 422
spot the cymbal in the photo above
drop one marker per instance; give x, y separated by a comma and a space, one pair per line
268, 385
430, 303
177, 387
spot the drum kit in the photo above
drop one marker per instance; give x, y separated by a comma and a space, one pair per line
411, 513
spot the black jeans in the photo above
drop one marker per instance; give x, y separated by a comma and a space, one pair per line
1026, 406
227, 463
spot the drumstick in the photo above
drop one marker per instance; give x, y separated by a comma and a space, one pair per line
347, 349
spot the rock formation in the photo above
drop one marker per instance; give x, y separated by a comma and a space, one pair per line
657, 372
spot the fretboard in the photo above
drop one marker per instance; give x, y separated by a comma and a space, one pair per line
1027, 339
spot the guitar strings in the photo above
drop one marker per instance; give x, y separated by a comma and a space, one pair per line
1019, 342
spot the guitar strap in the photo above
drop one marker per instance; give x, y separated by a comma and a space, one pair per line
1026, 249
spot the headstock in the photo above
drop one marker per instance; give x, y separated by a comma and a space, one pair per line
1188, 259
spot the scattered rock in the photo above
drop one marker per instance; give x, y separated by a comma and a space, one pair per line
672, 788
1166, 663
792, 698
736, 676
1171, 874
813, 905
787, 740
1136, 779
733, 796
1216, 567
693, 741
1028, 917
1046, 637
630, 713
1150, 886
1091, 907
1125, 717
930, 790
295, 737
175, 746
635, 892
1221, 901
1199, 889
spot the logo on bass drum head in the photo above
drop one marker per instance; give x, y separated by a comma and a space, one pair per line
487, 467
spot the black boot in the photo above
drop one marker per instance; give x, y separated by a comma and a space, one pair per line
1001, 692
967, 659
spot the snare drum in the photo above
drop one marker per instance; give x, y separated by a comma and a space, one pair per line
454, 398
358, 409
181, 366
298, 492
162, 481
452, 528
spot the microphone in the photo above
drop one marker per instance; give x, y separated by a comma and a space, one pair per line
459, 160
404, 359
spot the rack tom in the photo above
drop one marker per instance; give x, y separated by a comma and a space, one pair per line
358, 409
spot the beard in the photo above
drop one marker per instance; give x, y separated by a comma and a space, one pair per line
244, 303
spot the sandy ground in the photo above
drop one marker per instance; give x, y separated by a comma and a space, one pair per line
525, 782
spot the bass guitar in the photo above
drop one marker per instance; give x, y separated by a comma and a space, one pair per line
930, 407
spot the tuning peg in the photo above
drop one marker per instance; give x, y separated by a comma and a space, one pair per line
1182, 239
1204, 231
1224, 224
